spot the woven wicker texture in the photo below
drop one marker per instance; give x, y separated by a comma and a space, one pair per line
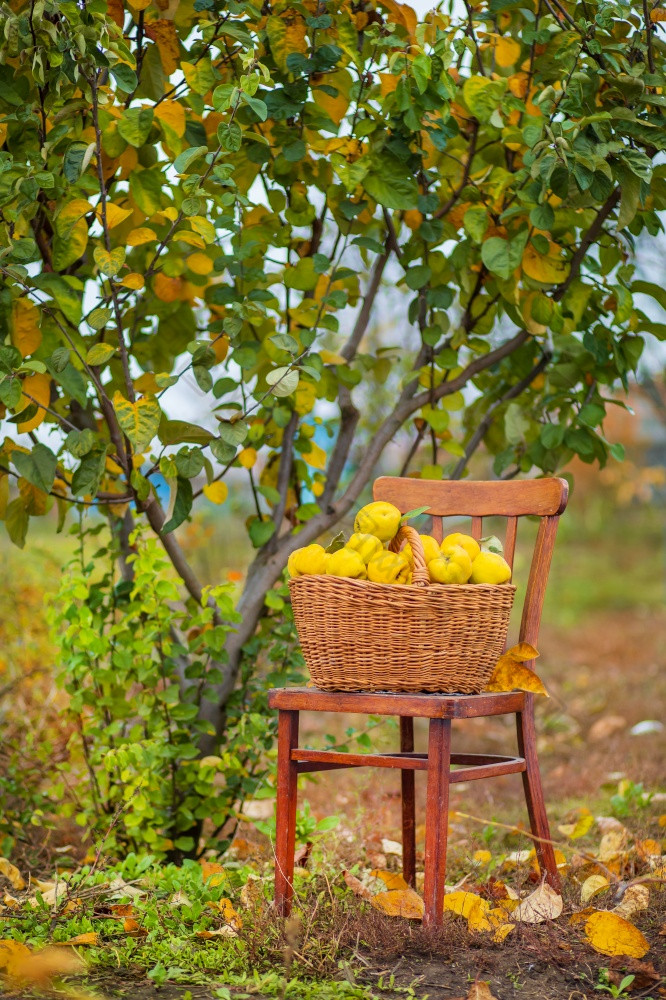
363, 636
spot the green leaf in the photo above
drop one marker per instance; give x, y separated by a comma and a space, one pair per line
139, 421
182, 432
135, 125
99, 354
261, 531
391, 183
483, 96
283, 381
542, 216
184, 161
501, 256
79, 443
98, 318
475, 222
301, 276
181, 507
411, 514
418, 276
230, 136
38, 466
109, 261
16, 522
87, 477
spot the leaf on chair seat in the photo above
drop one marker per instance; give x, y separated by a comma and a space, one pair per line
510, 674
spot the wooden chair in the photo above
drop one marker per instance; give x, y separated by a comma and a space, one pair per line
545, 498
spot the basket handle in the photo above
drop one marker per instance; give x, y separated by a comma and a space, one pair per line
420, 575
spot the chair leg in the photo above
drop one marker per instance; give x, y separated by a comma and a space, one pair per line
408, 808
437, 819
536, 806
285, 822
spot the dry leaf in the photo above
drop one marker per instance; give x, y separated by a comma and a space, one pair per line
41, 967
611, 934
180, 899
252, 893
10, 901
502, 932
612, 844
648, 849
543, 904
91, 937
578, 829
463, 903
223, 932
480, 991
132, 926
11, 873
392, 847
581, 916
635, 899
399, 903
392, 880
356, 885
482, 857
12, 953
606, 726
122, 909
592, 886
229, 915
510, 674
213, 873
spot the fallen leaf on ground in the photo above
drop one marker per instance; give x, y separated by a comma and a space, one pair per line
592, 886
635, 899
510, 674
463, 903
392, 880
356, 885
122, 909
479, 991
611, 934
229, 915
392, 847
399, 903
612, 844
23, 966
180, 898
91, 937
578, 829
605, 727
608, 823
12, 874
213, 873
646, 976
648, 849
542, 904
252, 893
220, 932
10, 901
582, 915
482, 857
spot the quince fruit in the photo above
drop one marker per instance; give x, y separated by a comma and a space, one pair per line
454, 566
431, 549
380, 519
348, 563
311, 560
389, 567
367, 546
490, 567
469, 544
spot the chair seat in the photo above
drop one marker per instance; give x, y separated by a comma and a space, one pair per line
424, 706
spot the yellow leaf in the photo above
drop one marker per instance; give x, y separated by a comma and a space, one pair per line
388, 82
592, 886
399, 903
11, 901
26, 335
247, 457
138, 421
168, 289
229, 914
216, 492
511, 674
335, 107
610, 934
38, 388
140, 4
648, 848
172, 114
331, 358
502, 932
89, 938
286, 34
35, 501
114, 214
204, 227
392, 880
463, 903
38, 969
12, 874
200, 263
542, 904
316, 456
212, 872
658, 14
549, 270
140, 236
109, 261
193, 239
612, 844
135, 281
12, 954
482, 857
220, 347
165, 36
578, 829
507, 52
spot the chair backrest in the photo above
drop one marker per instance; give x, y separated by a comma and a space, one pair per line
544, 498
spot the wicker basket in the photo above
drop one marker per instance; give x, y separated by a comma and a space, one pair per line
363, 636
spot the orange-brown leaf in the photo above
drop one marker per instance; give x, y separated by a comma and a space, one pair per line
164, 34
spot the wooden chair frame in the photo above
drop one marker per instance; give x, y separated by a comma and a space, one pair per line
545, 498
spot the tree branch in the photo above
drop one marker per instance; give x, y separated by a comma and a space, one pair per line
591, 236
284, 473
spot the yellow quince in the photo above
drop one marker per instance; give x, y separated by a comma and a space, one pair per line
366, 545
469, 544
380, 519
453, 566
348, 563
389, 567
431, 549
489, 567
309, 561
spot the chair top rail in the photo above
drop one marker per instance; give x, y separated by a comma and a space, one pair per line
513, 498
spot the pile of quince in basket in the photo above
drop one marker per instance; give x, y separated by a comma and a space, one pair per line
364, 556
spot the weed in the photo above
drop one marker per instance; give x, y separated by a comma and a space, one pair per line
616, 992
